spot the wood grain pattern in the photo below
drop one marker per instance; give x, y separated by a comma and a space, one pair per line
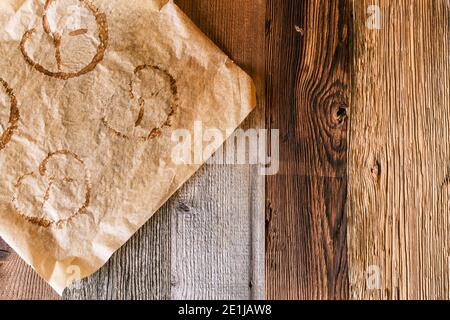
140, 270
400, 152
218, 223
308, 77
18, 280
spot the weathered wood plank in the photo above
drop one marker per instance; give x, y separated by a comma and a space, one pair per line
18, 280
140, 270
400, 152
308, 77
218, 222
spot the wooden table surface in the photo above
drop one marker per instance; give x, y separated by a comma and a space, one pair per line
360, 91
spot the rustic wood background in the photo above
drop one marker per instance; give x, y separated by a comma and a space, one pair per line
360, 207
399, 160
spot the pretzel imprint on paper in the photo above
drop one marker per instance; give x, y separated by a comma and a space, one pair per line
41, 175
169, 88
14, 115
102, 28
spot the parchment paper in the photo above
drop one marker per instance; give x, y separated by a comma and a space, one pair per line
91, 92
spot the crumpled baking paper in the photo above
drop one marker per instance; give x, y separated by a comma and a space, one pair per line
91, 93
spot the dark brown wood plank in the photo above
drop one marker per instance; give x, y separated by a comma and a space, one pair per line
308, 78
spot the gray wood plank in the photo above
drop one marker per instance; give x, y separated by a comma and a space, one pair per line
218, 225
140, 270
216, 244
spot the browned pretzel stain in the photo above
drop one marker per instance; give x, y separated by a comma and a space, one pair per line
14, 115
78, 32
42, 222
45, 221
57, 44
102, 27
141, 112
154, 132
43, 165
